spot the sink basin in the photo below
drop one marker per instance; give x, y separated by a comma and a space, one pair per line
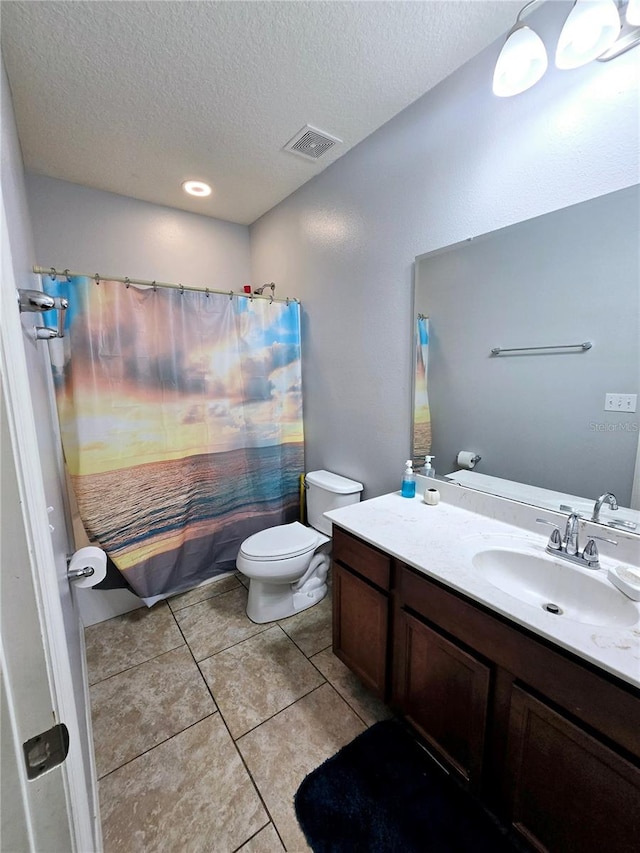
545, 582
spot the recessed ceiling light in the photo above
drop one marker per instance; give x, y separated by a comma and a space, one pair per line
197, 188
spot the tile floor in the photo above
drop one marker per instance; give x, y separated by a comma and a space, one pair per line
205, 724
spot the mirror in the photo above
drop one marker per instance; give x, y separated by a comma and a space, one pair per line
535, 413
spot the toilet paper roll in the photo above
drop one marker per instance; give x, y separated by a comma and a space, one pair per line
467, 459
94, 558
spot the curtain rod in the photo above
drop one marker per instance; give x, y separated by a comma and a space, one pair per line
66, 273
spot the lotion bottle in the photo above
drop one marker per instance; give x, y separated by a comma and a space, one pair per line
408, 489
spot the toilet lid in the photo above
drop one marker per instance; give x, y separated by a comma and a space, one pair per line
278, 543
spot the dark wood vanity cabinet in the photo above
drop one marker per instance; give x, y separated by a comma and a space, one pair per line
361, 610
550, 743
444, 694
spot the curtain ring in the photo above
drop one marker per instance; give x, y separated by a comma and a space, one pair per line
53, 274
155, 287
271, 300
182, 290
231, 294
207, 292
97, 278
287, 301
127, 282
66, 272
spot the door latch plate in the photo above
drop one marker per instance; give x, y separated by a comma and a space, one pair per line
46, 750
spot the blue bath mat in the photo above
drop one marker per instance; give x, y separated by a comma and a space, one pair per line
382, 793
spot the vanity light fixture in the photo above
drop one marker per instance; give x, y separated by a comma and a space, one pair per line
197, 188
633, 13
591, 28
589, 32
522, 60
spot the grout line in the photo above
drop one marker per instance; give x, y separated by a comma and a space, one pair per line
341, 695
134, 665
151, 748
200, 601
275, 713
268, 823
244, 763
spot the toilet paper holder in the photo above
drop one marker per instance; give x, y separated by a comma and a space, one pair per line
75, 574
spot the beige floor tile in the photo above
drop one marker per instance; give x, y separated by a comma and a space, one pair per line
311, 629
191, 793
255, 679
282, 751
201, 593
143, 706
128, 640
367, 707
217, 623
266, 841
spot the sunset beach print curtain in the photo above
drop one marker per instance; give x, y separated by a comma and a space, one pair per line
421, 413
181, 423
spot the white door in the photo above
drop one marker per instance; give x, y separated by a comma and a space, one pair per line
44, 678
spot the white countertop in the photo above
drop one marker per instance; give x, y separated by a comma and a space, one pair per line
439, 541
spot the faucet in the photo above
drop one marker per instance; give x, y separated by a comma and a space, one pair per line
569, 547
607, 498
571, 535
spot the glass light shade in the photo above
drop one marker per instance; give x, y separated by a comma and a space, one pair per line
633, 13
521, 63
591, 28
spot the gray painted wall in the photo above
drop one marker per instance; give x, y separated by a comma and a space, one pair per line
537, 418
458, 162
94, 231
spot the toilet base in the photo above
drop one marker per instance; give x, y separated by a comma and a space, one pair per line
268, 602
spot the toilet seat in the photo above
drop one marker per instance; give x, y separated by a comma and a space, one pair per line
282, 542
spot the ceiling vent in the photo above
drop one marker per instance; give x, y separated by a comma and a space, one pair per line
311, 143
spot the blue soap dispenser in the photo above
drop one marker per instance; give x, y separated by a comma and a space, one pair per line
408, 489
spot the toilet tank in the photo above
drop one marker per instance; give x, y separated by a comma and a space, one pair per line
325, 491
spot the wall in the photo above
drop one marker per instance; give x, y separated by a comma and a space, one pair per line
458, 162
90, 230
538, 418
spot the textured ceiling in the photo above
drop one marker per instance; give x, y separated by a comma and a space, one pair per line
135, 97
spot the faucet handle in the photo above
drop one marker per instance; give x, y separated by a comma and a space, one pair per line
555, 540
590, 553
603, 539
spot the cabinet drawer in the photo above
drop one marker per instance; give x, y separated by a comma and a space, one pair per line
363, 559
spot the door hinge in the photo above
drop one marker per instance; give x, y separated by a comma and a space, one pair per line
46, 750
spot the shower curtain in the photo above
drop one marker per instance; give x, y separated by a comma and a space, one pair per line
181, 423
421, 412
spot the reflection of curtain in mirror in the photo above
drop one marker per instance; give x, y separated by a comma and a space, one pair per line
181, 423
421, 413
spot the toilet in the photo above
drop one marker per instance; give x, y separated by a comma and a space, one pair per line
287, 565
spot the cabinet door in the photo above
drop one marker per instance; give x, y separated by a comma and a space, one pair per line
360, 626
444, 692
569, 792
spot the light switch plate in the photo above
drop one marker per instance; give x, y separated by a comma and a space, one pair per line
620, 402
